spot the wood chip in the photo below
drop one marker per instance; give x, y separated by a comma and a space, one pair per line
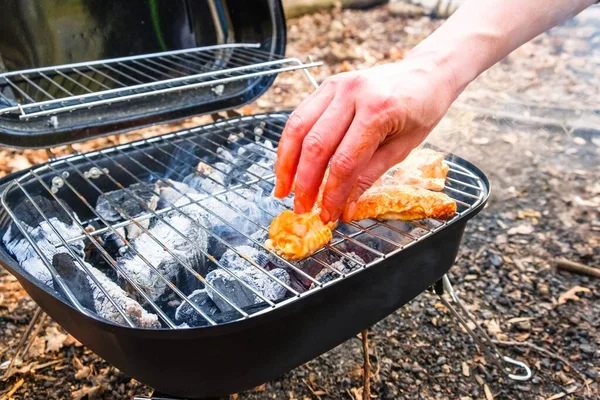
557, 396
488, 392
465, 369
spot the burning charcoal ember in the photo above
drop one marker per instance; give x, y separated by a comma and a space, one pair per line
130, 201
171, 192
93, 298
187, 246
186, 314
42, 234
343, 265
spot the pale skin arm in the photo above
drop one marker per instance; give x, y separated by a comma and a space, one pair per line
361, 123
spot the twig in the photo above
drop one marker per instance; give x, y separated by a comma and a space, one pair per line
543, 351
578, 268
366, 366
14, 389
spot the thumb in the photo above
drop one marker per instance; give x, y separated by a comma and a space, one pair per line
384, 158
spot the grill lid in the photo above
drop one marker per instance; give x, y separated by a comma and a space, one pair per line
78, 70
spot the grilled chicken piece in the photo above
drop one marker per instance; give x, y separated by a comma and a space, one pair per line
423, 167
297, 236
403, 202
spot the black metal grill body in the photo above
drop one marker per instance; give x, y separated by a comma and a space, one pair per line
231, 357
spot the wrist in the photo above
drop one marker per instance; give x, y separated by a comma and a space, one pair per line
457, 60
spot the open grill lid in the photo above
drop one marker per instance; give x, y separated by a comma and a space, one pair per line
82, 69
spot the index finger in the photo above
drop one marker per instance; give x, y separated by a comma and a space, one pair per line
290, 144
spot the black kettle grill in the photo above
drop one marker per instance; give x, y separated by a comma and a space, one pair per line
75, 70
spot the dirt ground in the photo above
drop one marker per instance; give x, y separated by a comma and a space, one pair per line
532, 123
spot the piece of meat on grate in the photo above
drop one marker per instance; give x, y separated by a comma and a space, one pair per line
403, 202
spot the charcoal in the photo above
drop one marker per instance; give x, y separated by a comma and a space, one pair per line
230, 287
343, 265
208, 179
230, 316
189, 251
75, 278
92, 297
171, 192
231, 259
133, 202
186, 314
42, 234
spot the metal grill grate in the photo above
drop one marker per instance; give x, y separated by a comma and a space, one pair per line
78, 180
52, 90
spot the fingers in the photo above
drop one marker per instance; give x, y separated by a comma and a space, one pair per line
318, 147
352, 155
388, 155
297, 127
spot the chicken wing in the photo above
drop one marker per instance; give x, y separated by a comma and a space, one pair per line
296, 236
403, 202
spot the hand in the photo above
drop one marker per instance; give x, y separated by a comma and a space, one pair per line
360, 123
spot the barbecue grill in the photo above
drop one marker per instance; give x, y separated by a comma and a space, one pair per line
151, 253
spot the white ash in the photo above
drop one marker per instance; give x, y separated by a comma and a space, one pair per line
231, 287
106, 309
90, 295
187, 248
45, 239
208, 179
171, 192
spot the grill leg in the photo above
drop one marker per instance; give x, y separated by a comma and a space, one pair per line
26, 340
483, 341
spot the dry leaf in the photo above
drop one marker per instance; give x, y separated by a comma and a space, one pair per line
89, 391
519, 319
557, 396
571, 294
493, 327
357, 393
54, 339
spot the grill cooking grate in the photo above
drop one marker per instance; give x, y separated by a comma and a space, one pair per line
75, 182
58, 89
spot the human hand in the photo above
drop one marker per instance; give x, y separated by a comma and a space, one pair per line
360, 123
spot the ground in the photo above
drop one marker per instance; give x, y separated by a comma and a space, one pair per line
532, 124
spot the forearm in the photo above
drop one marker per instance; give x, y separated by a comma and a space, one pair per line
483, 32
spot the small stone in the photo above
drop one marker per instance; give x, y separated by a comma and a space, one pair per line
592, 374
496, 260
586, 348
543, 289
441, 360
